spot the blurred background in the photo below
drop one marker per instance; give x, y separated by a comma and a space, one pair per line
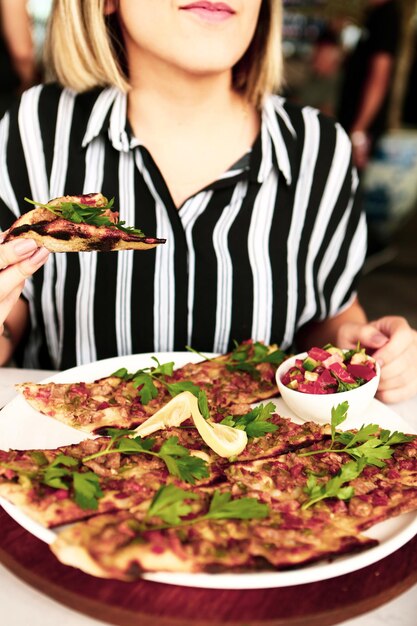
355, 61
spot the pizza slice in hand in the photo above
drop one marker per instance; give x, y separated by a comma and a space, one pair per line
79, 223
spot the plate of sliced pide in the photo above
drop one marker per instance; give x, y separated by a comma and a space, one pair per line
187, 469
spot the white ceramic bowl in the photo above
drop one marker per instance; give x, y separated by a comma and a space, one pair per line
317, 407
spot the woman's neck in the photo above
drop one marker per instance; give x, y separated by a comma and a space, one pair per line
195, 127
178, 98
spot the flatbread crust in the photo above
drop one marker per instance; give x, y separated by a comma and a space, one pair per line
61, 235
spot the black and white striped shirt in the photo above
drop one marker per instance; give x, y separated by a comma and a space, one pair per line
276, 242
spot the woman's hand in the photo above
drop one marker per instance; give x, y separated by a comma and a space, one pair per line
393, 343
19, 259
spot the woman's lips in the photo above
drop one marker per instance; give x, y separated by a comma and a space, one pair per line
210, 11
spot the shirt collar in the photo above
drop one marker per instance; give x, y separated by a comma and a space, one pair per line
109, 114
278, 136
278, 140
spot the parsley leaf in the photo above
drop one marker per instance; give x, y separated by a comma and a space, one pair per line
87, 489
394, 438
333, 488
176, 457
181, 463
223, 507
203, 405
339, 414
136, 445
39, 457
144, 379
146, 387
246, 356
255, 423
61, 474
361, 444
166, 369
185, 385
169, 504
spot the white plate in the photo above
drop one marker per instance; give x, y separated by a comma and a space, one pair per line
22, 427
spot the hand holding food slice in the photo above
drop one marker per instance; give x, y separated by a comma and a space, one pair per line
79, 223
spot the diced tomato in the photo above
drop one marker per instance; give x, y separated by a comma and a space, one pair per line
361, 371
318, 354
341, 373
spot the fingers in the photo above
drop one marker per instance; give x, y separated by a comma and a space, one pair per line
398, 394
368, 335
399, 372
8, 303
15, 251
393, 344
17, 272
400, 334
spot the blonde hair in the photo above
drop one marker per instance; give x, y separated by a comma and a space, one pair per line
84, 50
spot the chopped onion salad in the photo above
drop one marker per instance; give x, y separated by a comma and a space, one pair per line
330, 370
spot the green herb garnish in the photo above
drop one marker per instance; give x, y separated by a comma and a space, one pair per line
169, 505
361, 444
242, 360
80, 213
176, 457
144, 380
63, 473
333, 488
246, 356
256, 423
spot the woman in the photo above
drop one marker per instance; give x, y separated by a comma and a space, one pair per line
168, 108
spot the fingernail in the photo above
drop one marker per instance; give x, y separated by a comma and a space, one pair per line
24, 246
379, 338
40, 255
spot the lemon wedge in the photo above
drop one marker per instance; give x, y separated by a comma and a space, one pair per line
224, 440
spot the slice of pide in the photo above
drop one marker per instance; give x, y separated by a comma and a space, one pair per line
119, 400
70, 483
378, 493
79, 223
114, 546
238, 378
92, 407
